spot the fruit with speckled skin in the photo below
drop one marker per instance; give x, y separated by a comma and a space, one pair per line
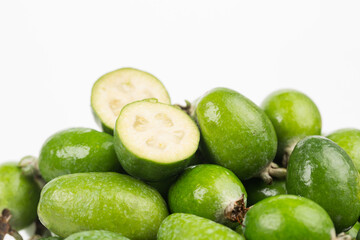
294, 116
101, 201
179, 226
155, 141
235, 133
287, 217
322, 171
206, 190
258, 190
349, 140
51, 238
96, 235
112, 91
354, 230
18, 193
77, 150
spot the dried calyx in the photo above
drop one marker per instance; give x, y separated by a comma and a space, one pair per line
5, 227
236, 211
272, 171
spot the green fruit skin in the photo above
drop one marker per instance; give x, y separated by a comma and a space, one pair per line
51, 238
235, 133
206, 190
19, 194
322, 171
77, 150
349, 140
180, 226
101, 201
257, 190
358, 236
287, 217
294, 116
96, 235
163, 186
354, 230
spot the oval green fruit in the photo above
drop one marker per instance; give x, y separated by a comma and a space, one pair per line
208, 191
18, 193
96, 235
287, 217
322, 171
179, 226
77, 150
349, 140
101, 201
114, 90
235, 133
258, 190
51, 238
294, 116
155, 141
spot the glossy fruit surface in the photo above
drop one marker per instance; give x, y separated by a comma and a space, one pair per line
287, 217
155, 141
206, 190
101, 201
114, 90
349, 140
76, 150
179, 226
96, 235
19, 194
294, 116
258, 190
235, 133
322, 171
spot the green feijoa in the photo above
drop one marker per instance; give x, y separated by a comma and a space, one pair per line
179, 226
114, 90
77, 150
155, 141
358, 236
287, 217
163, 186
208, 191
52, 238
349, 140
322, 171
235, 133
18, 193
101, 201
258, 190
294, 116
354, 230
96, 235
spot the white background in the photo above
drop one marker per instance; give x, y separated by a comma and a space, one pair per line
51, 52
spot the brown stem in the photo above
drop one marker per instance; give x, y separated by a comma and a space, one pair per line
40, 231
29, 166
236, 211
5, 227
273, 170
188, 108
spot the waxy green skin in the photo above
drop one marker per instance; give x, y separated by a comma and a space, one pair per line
354, 230
18, 193
163, 186
235, 133
258, 190
287, 217
322, 171
51, 238
179, 226
206, 190
101, 201
77, 150
349, 140
294, 116
96, 235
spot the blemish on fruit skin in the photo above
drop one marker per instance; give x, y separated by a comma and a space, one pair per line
77, 152
199, 193
212, 112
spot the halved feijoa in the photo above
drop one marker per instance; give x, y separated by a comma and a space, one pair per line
287, 217
180, 226
154, 141
114, 90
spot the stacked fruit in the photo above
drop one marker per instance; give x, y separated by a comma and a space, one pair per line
222, 166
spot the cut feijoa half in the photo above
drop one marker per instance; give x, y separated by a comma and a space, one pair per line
114, 90
154, 141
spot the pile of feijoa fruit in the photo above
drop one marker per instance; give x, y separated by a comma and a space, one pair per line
218, 168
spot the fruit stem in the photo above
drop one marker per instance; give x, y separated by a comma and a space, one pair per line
40, 231
343, 236
236, 211
188, 108
287, 152
30, 167
5, 227
273, 170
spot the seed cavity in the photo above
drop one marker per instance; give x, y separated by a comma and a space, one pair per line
126, 86
140, 124
152, 142
165, 119
116, 106
178, 135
